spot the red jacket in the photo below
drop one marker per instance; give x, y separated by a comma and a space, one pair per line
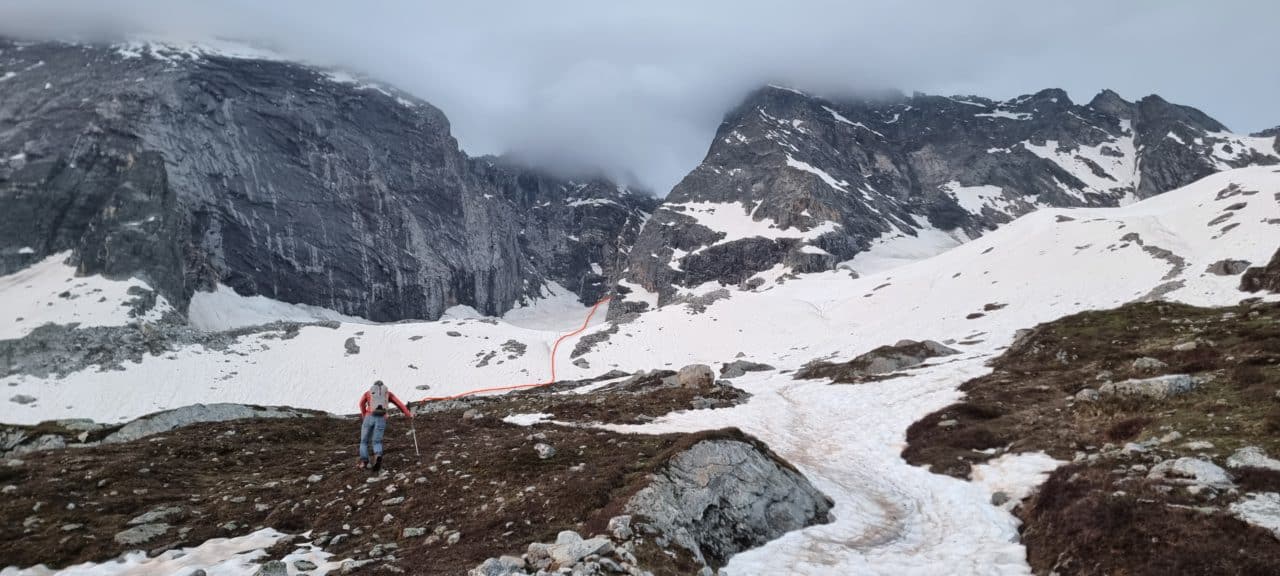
366, 407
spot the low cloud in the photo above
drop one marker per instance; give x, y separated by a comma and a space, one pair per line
638, 88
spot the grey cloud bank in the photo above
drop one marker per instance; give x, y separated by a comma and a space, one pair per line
637, 89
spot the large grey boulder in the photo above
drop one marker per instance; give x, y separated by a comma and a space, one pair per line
696, 376
1159, 387
741, 367
722, 496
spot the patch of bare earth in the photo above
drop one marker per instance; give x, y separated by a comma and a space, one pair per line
1106, 513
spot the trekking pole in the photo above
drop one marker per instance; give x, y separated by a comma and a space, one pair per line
414, 429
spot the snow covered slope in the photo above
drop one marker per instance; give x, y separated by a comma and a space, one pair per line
891, 518
50, 292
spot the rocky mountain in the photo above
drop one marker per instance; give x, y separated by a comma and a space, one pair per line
188, 167
797, 183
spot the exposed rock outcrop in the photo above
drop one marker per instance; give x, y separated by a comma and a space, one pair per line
190, 168
1263, 278
720, 497
882, 360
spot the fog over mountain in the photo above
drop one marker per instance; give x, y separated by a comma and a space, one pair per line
638, 89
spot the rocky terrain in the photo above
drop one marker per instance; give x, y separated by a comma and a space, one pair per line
1168, 417
189, 168
797, 183
490, 480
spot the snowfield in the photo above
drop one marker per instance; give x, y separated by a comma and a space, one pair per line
890, 518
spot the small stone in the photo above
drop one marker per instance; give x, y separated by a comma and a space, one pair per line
71, 527
544, 450
398, 500
999, 498
312, 479
948, 423
413, 532
1185, 346
351, 346
1148, 364
620, 527
453, 538
1088, 395
471, 414
10, 489
1171, 437
303, 565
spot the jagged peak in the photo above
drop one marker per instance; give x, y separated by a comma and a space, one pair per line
1154, 107
1110, 102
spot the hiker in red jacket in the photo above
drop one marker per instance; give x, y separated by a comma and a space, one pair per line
373, 410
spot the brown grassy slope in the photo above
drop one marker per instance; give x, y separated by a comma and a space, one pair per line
1101, 515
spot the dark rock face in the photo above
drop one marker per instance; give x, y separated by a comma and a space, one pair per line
281, 180
1263, 277
806, 183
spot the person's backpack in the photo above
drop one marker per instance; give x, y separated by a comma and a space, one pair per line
378, 397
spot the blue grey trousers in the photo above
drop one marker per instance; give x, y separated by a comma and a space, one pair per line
371, 430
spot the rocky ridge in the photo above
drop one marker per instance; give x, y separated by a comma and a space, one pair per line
797, 183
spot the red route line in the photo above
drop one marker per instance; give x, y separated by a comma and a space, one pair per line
554, 349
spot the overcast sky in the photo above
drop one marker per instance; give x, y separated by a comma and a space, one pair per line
639, 87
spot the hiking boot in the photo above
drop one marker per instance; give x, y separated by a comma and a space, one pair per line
377, 463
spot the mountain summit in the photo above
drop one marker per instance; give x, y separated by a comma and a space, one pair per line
798, 183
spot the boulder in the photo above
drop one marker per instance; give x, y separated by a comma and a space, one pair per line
1159, 387
141, 534
1252, 457
273, 568
722, 496
620, 527
741, 367
544, 450
1088, 395
883, 360
161, 514
1148, 364
1261, 509
696, 376
22, 399
570, 548
351, 346
1191, 471
1228, 267
500, 566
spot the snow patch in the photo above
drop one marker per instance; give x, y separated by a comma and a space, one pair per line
556, 309
241, 556
1017, 475
224, 309
897, 248
527, 419
50, 292
840, 185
